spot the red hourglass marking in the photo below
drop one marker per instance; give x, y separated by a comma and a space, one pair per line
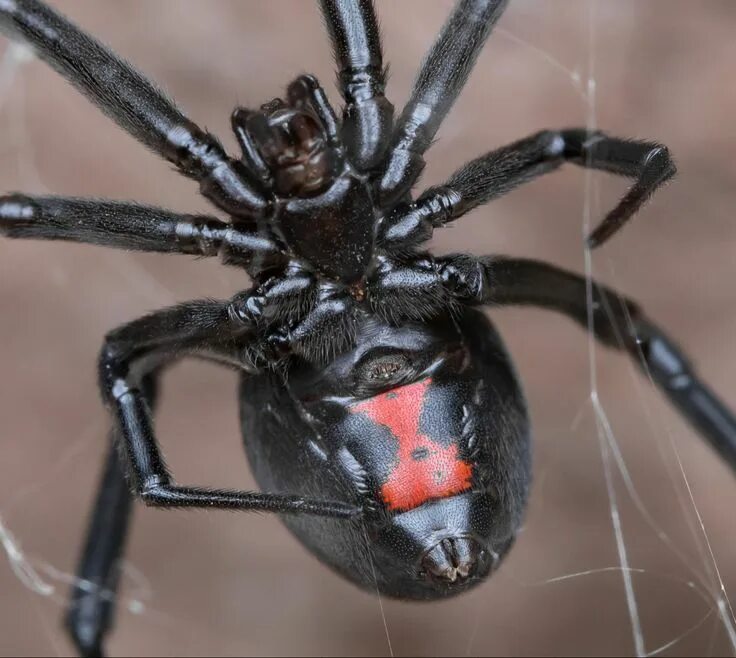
425, 469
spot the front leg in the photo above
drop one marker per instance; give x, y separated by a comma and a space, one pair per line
356, 42
134, 103
442, 76
499, 172
125, 225
209, 328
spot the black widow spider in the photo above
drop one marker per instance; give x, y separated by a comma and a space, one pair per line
379, 408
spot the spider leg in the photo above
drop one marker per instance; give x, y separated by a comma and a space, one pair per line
327, 328
210, 329
132, 226
91, 609
92, 603
356, 42
498, 172
134, 103
409, 288
442, 76
616, 321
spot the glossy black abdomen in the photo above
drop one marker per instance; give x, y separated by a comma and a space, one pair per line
293, 448
286, 455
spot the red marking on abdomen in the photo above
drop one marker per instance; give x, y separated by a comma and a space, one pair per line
424, 469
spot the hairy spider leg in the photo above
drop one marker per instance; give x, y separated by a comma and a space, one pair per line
125, 225
356, 42
207, 328
441, 78
496, 173
135, 104
617, 322
93, 598
130, 357
500, 281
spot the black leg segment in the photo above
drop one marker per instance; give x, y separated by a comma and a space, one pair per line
617, 322
91, 612
356, 42
134, 103
208, 329
133, 226
441, 78
498, 172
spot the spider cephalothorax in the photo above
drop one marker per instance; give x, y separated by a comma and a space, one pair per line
379, 410
322, 214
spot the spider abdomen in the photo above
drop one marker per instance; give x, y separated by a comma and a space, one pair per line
423, 426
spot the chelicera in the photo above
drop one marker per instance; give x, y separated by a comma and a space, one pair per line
381, 413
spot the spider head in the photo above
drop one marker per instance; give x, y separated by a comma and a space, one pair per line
425, 427
288, 148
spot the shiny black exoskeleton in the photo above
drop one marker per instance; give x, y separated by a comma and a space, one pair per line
380, 412
441, 479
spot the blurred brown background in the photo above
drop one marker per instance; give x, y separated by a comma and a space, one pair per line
230, 584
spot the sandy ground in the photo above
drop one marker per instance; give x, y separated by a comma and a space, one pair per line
228, 584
